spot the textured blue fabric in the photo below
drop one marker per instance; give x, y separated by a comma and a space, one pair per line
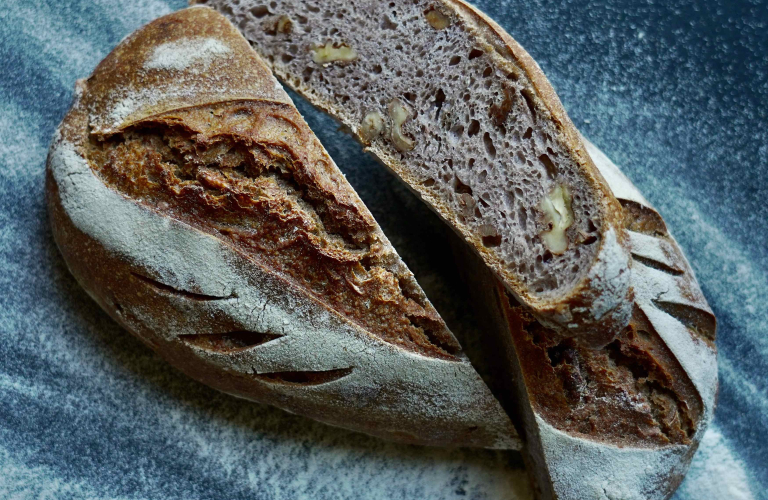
675, 92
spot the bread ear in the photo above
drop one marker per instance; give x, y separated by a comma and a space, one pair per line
192, 202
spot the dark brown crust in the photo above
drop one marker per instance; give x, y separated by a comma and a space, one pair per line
250, 172
631, 392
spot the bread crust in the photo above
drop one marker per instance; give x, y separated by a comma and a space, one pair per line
226, 316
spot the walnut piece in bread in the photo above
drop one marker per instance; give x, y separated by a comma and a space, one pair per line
483, 122
623, 420
191, 200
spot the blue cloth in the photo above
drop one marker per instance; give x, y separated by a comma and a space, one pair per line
675, 92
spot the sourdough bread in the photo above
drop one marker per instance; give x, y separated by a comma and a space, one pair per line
621, 421
460, 112
190, 199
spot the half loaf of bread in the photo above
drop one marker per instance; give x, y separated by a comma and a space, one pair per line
450, 103
190, 199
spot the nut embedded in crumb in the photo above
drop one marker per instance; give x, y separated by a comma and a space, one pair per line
372, 126
437, 19
331, 52
559, 216
284, 24
399, 114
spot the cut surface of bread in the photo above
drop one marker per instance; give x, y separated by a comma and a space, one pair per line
623, 420
460, 112
193, 203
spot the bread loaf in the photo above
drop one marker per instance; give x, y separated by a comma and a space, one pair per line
190, 199
622, 421
459, 111
613, 387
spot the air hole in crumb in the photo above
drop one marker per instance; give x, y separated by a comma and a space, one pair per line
454, 60
549, 165
474, 53
474, 128
377, 69
489, 148
590, 240
460, 187
429, 182
439, 100
387, 24
260, 11
529, 101
492, 241
528, 133
286, 58
487, 72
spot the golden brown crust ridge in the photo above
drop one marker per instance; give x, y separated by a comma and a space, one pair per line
250, 172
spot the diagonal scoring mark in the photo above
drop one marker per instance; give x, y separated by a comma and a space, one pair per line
307, 378
659, 266
697, 320
230, 342
162, 287
643, 219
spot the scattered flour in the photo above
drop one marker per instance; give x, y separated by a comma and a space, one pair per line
186, 53
716, 472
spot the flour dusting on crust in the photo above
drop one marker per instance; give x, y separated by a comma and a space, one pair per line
418, 389
188, 53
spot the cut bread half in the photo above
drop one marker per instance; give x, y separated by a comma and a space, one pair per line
459, 111
621, 421
191, 200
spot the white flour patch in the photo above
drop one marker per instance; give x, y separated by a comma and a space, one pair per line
716, 472
21, 151
131, 15
22, 481
186, 53
52, 42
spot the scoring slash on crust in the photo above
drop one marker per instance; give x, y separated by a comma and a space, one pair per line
192, 202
